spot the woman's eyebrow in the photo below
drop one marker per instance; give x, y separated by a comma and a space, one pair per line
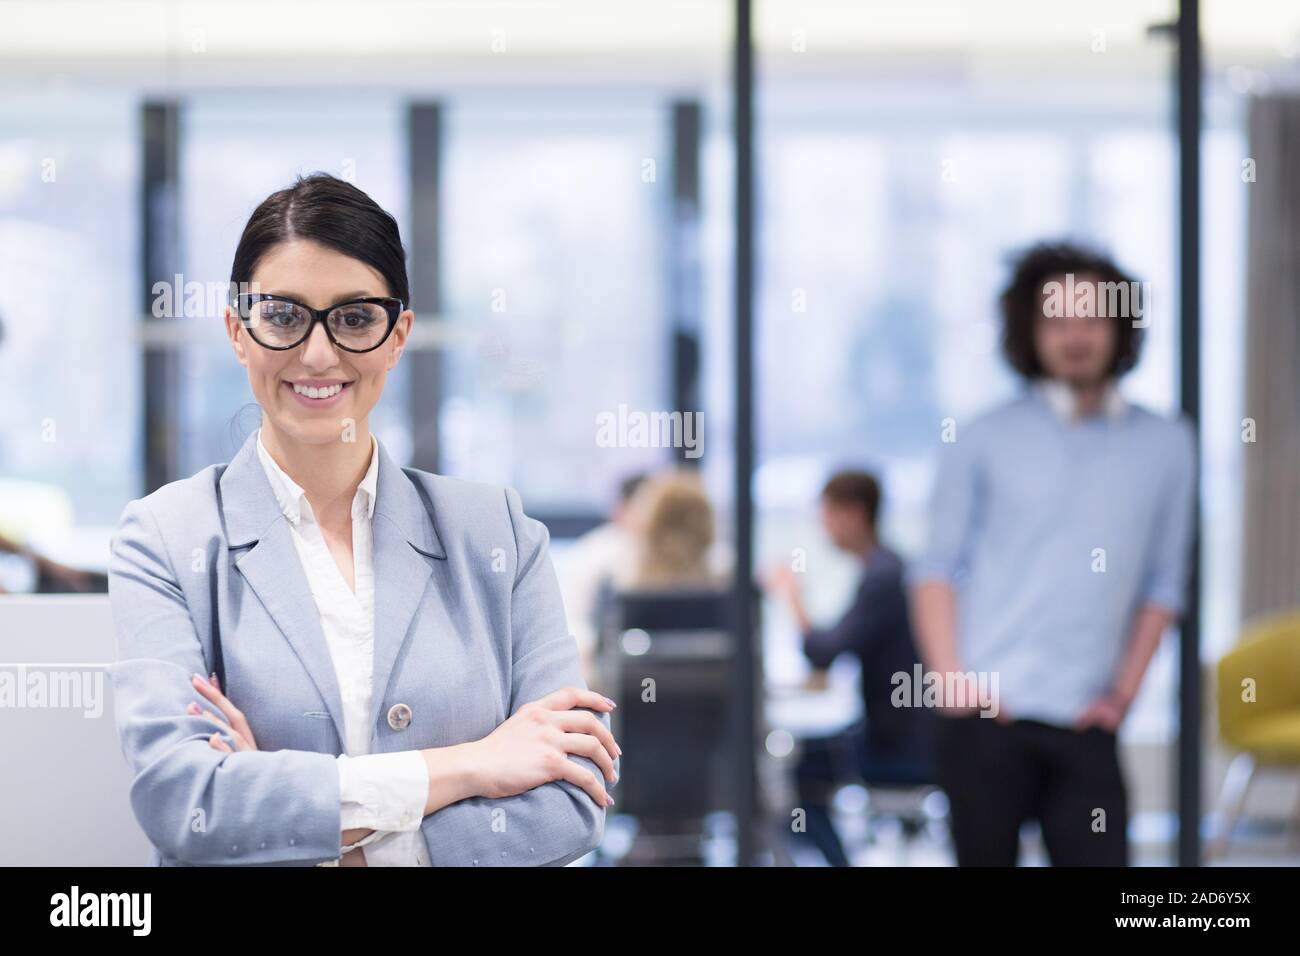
360, 294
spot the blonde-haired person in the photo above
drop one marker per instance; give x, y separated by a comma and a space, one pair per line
672, 522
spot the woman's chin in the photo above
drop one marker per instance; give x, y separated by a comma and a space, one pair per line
313, 429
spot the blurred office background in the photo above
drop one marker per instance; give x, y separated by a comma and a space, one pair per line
564, 174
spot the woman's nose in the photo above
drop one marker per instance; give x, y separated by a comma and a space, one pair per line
319, 352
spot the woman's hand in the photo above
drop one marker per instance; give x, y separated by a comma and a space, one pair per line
235, 724
532, 747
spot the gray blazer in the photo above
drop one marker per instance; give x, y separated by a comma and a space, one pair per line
469, 626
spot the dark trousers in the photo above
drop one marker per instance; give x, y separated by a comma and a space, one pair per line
827, 763
998, 775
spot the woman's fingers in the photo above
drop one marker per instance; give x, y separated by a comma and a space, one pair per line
236, 736
585, 733
216, 743
585, 745
588, 781
219, 699
566, 698
585, 722
241, 742
233, 714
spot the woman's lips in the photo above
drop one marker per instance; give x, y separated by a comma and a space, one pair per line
317, 402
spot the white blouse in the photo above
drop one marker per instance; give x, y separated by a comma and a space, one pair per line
383, 792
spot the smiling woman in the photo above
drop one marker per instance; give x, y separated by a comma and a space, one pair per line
327, 582
319, 253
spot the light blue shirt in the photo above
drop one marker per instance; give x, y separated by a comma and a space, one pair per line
1055, 531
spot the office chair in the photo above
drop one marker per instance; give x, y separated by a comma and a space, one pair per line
1259, 713
903, 789
669, 659
909, 805
899, 787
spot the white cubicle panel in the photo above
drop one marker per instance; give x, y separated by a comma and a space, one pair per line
63, 780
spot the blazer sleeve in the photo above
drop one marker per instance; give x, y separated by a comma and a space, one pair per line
558, 822
198, 805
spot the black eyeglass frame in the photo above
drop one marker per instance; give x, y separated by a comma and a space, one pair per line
244, 301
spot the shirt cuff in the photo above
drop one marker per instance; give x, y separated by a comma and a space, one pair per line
394, 849
383, 791
368, 840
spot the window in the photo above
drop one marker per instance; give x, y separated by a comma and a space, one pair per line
69, 303
555, 269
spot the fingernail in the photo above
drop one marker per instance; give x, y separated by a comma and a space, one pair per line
200, 677
610, 702
611, 799
192, 708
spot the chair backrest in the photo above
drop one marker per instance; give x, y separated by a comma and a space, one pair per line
64, 783
673, 610
1260, 676
671, 662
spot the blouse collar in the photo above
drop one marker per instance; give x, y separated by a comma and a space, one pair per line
293, 500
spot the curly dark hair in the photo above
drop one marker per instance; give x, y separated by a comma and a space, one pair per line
1021, 303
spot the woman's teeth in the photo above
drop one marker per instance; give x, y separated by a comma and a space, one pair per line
310, 392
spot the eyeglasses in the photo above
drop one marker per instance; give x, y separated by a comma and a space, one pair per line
278, 322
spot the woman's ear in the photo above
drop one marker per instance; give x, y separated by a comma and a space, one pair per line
400, 332
233, 329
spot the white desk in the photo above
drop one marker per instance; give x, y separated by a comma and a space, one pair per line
64, 785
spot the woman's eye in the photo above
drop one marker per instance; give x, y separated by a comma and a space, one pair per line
355, 318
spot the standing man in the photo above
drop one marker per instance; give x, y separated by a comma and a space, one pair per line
1057, 557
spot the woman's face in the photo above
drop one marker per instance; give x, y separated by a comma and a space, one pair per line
319, 277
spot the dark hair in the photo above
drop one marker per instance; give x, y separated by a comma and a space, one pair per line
328, 210
851, 487
629, 485
1022, 303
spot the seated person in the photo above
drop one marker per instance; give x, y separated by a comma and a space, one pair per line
681, 753
592, 561
671, 521
892, 745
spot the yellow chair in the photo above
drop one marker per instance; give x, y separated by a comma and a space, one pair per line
1259, 710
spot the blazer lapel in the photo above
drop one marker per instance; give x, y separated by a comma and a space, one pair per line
403, 538
274, 571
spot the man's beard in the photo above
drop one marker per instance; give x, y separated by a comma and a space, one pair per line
1082, 381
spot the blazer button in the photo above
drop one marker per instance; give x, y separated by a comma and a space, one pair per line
399, 716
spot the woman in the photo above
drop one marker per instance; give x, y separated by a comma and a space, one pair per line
672, 525
397, 683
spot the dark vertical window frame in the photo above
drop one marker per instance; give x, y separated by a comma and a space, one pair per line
425, 133
744, 603
1190, 82
684, 282
160, 262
